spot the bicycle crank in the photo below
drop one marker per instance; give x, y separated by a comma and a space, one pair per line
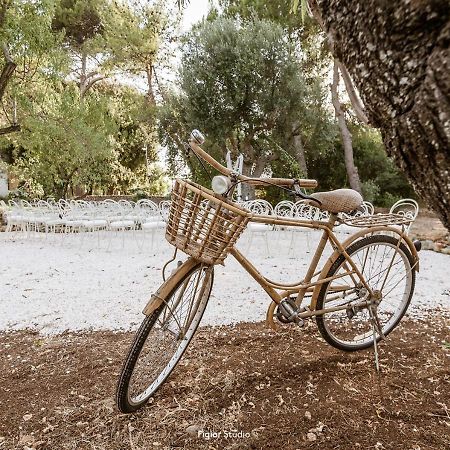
288, 312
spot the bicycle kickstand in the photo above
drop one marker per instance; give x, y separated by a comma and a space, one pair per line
376, 327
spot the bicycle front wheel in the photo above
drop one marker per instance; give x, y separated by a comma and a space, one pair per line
162, 339
387, 268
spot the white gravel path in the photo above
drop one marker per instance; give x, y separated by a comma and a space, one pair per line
55, 284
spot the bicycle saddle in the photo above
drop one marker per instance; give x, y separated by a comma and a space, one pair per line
337, 201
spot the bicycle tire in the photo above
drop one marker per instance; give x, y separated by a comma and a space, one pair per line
123, 399
367, 241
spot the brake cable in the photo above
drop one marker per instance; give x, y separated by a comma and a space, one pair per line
188, 150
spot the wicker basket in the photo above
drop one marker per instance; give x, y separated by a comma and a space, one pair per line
203, 224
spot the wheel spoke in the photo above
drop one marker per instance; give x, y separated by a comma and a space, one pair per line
383, 263
163, 337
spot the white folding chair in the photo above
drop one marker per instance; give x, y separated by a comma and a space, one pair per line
406, 207
152, 219
261, 207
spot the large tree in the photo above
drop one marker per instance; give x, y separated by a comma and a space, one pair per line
398, 56
81, 23
98, 144
134, 33
313, 53
243, 85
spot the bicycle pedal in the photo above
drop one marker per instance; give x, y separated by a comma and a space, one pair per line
288, 312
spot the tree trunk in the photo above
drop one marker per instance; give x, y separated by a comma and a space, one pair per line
83, 77
7, 71
299, 150
150, 93
248, 191
352, 170
397, 54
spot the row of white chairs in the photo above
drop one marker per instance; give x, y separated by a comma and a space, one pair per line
79, 215
304, 211
76, 216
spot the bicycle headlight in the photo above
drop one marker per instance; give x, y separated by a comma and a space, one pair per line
220, 184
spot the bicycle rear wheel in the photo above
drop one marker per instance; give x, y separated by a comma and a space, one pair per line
387, 268
162, 339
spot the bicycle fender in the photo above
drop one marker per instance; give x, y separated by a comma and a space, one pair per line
168, 286
335, 255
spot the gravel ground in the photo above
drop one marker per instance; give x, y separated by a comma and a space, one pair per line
79, 283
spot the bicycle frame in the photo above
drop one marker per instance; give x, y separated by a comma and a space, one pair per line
306, 285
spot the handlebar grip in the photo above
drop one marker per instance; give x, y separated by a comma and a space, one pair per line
307, 183
304, 183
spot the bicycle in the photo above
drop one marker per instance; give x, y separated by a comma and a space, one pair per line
357, 298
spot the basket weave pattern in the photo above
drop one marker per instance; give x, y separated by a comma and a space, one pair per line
201, 224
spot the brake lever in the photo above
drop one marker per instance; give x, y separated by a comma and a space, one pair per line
298, 193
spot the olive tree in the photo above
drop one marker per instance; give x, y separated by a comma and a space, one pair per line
243, 85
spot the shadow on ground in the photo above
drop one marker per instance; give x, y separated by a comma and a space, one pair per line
241, 387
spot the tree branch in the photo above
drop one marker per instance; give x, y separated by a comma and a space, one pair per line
352, 170
86, 86
10, 129
7, 71
356, 102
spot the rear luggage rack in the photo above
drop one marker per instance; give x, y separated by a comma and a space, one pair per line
376, 220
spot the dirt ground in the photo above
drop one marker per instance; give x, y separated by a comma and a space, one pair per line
428, 227
240, 387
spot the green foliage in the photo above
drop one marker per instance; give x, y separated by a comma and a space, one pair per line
382, 182
33, 46
251, 77
242, 84
370, 190
278, 11
92, 141
65, 142
80, 20
133, 32
302, 31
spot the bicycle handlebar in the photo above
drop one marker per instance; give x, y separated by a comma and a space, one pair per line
304, 183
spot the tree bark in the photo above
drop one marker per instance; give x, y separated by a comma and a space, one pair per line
397, 54
352, 170
83, 77
87, 80
299, 150
7, 71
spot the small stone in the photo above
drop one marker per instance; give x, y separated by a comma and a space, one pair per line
27, 439
193, 429
27, 417
308, 415
311, 437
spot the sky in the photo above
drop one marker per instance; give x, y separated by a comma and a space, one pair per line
194, 12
